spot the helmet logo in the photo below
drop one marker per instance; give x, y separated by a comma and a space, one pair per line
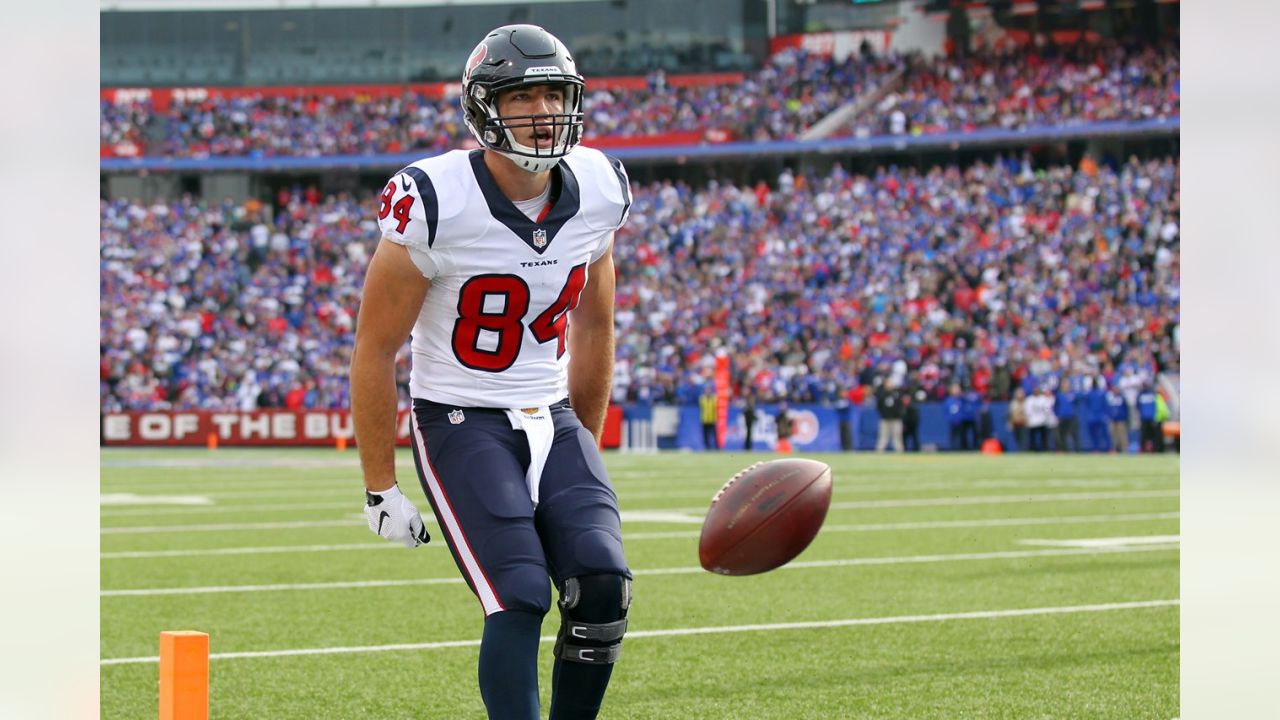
477, 56
543, 70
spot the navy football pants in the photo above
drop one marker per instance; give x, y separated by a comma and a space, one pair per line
473, 472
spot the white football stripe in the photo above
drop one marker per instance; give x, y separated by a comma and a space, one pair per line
794, 565
708, 630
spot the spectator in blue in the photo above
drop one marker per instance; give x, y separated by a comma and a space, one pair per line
953, 407
1118, 414
844, 414
1096, 414
1152, 439
1064, 407
970, 407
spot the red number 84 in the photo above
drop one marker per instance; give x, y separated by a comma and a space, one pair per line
400, 209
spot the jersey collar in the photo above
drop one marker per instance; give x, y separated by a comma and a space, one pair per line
565, 201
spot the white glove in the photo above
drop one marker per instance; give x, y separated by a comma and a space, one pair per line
393, 516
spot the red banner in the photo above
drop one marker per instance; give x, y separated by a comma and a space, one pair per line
267, 428
162, 98
611, 437
126, 148
261, 427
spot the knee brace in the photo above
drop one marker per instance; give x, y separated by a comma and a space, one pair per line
593, 618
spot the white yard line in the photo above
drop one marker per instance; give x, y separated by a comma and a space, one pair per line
213, 498
219, 509
1106, 542
662, 516
135, 499
178, 529
265, 550
795, 565
985, 499
351, 490
706, 630
242, 461
940, 524
862, 504
670, 535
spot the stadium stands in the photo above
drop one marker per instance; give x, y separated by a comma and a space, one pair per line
790, 94
1029, 88
995, 275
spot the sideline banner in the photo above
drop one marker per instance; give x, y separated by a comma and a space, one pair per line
274, 428
814, 428
258, 427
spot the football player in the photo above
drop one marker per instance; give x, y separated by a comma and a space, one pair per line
498, 263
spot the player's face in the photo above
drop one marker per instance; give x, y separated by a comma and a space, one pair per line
543, 100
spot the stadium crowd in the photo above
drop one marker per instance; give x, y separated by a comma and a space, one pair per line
994, 278
1017, 90
791, 92
788, 95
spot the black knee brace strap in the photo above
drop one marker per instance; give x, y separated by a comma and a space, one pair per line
597, 642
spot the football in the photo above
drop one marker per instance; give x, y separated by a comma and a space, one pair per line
765, 516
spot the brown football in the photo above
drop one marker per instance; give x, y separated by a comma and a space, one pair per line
765, 516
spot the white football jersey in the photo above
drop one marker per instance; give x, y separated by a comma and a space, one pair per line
492, 331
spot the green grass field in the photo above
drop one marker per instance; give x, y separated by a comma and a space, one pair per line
940, 587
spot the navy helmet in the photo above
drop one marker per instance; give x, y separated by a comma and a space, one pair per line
519, 56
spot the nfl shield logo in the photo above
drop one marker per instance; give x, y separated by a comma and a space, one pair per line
456, 417
540, 238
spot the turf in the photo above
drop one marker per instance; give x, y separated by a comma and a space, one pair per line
899, 542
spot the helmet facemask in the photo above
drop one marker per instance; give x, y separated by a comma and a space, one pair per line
495, 131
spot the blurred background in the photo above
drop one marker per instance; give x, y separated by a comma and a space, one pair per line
958, 218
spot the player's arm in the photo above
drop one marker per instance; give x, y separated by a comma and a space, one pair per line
394, 290
591, 346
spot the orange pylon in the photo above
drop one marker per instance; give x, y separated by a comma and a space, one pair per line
184, 675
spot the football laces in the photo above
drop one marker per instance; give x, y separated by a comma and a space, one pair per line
734, 479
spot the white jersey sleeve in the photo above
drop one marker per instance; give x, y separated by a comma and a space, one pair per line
409, 215
608, 204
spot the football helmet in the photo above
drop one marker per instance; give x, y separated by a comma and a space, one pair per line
520, 56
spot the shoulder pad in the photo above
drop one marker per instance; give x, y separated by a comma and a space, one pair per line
605, 180
417, 199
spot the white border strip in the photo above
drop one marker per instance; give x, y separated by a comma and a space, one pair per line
479, 580
794, 565
680, 632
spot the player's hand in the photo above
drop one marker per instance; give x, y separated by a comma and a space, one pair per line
393, 516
